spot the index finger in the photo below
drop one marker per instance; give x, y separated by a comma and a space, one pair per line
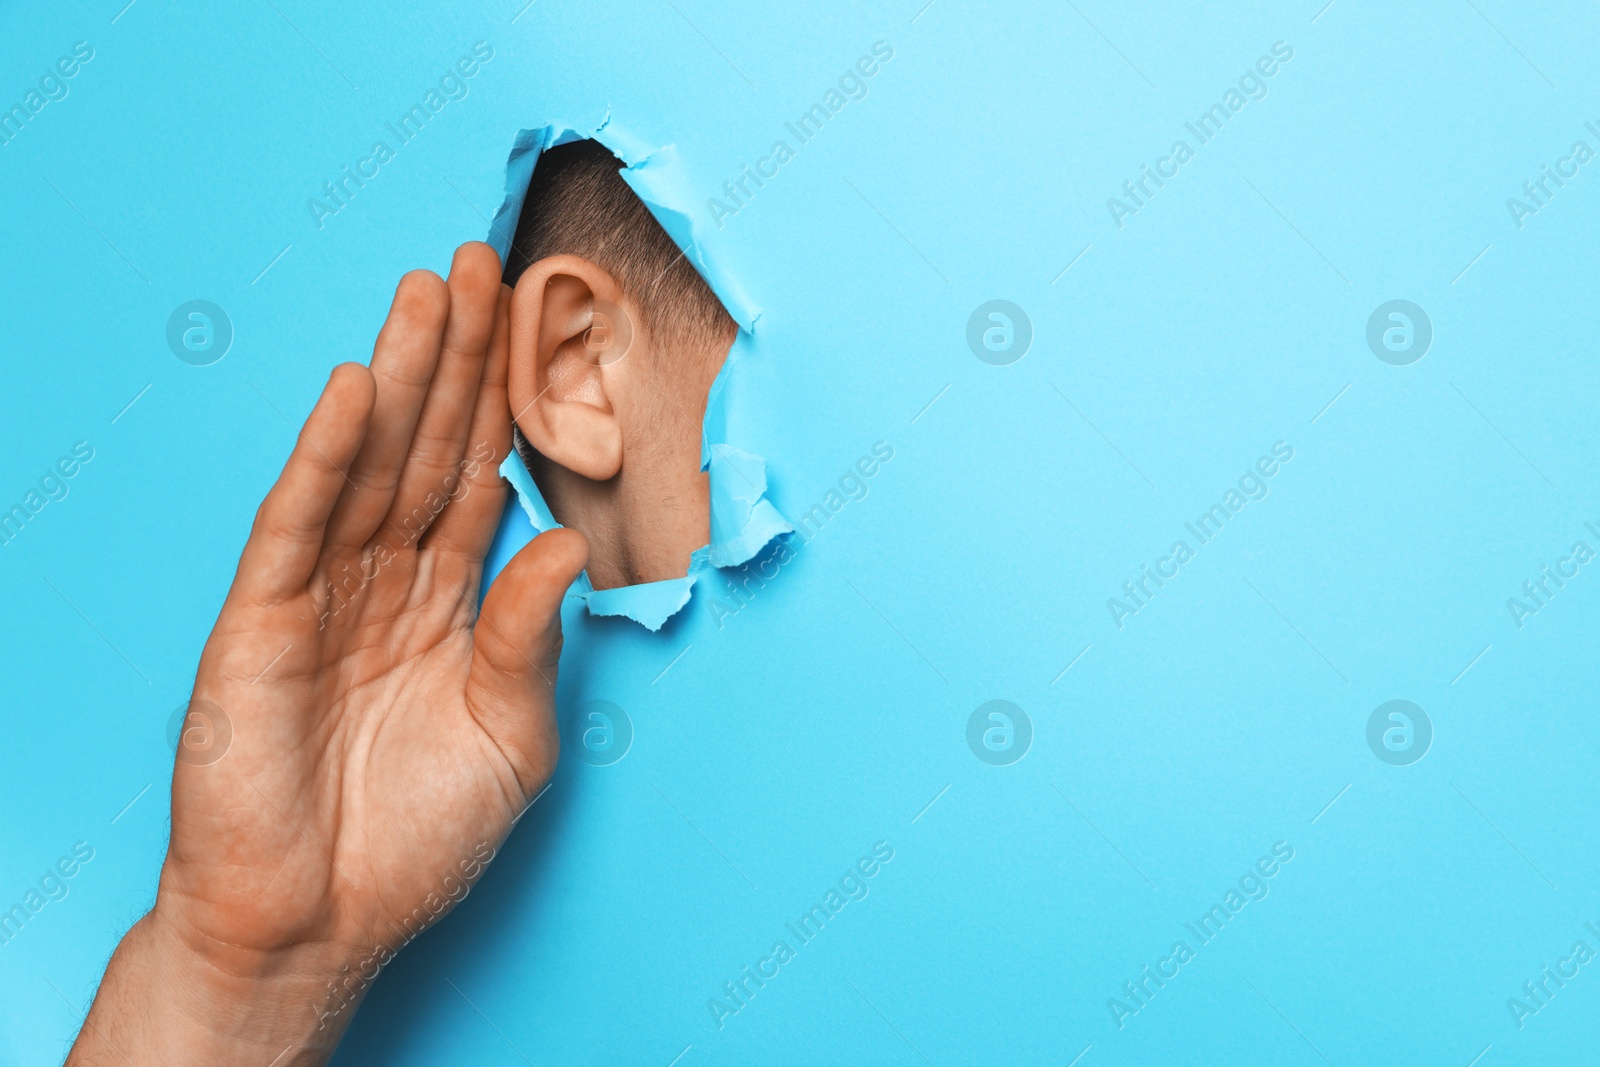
286, 540
403, 362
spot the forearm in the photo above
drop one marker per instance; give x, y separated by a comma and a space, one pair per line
166, 1000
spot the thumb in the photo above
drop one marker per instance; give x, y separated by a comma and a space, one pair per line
515, 648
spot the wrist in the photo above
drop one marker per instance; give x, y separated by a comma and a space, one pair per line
179, 998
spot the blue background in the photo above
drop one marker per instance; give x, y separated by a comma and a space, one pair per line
772, 751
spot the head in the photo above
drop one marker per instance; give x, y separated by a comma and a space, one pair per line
615, 341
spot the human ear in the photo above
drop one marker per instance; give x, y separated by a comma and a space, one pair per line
569, 333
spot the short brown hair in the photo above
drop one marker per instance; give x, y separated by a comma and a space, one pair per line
578, 204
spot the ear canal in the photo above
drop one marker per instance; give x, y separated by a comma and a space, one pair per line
609, 335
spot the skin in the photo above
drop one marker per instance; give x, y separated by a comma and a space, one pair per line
613, 411
384, 734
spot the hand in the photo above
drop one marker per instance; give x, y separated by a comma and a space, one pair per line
384, 735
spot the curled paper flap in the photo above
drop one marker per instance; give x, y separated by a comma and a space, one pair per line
655, 173
743, 520
662, 182
653, 603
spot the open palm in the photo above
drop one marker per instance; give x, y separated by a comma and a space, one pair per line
361, 738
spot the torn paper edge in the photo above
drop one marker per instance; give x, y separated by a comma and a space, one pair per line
743, 520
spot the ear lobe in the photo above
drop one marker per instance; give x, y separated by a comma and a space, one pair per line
563, 381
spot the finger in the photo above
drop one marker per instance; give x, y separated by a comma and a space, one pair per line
403, 362
515, 648
431, 476
469, 521
287, 537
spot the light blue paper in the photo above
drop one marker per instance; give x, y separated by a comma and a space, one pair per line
818, 698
